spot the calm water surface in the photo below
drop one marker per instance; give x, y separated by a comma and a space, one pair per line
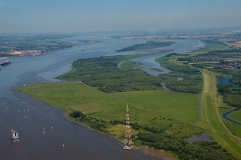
225, 81
34, 120
181, 46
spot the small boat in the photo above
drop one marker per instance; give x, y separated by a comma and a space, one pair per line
5, 63
14, 135
127, 147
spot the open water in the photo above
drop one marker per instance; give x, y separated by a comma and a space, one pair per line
225, 81
45, 133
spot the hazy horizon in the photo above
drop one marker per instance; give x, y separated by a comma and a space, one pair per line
28, 16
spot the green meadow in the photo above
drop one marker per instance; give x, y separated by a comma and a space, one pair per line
154, 108
183, 107
147, 45
236, 116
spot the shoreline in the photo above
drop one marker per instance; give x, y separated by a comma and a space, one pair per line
144, 149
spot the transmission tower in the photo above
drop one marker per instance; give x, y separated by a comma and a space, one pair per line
127, 141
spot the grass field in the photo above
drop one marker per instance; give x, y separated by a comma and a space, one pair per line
182, 107
147, 45
129, 65
73, 96
234, 128
236, 116
157, 69
211, 118
157, 108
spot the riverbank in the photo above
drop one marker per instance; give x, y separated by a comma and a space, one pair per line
146, 150
98, 107
158, 153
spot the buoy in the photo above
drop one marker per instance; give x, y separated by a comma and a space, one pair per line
52, 127
24, 111
28, 110
63, 145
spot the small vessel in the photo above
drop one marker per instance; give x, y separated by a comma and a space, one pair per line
126, 147
5, 63
14, 135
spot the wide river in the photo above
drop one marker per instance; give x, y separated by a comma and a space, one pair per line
45, 133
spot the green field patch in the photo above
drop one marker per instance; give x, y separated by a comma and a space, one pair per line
147, 45
72, 95
117, 131
157, 69
223, 110
234, 128
88, 108
183, 107
236, 116
127, 65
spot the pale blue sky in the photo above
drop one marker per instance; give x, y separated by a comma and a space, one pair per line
113, 15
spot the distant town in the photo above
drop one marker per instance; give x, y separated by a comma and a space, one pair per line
31, 45
231, 64
25, 53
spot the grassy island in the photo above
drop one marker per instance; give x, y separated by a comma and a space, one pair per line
147, 45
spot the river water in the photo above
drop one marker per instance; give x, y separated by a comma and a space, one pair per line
45, 133
181, 46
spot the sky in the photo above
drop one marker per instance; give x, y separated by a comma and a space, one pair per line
27, 16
